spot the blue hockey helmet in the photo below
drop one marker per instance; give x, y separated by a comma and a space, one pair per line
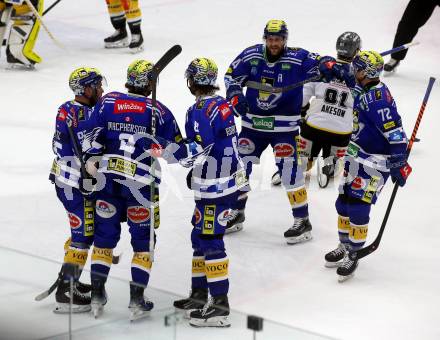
370, 62
139, 73
83, 77
276, 27
202, 71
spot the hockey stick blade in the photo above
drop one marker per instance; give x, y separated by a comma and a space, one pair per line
358, 254
47, 292
165, 60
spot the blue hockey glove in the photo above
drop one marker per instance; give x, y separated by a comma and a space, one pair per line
239, 104
325, 67
399, 168
343, 72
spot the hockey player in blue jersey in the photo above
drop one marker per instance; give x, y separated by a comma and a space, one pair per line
377, 150
86, 84
216, 179
119, 124
273, 118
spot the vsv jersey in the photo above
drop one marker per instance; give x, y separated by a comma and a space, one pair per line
210, 124
271, 112
118, 125
66, 166
378, 130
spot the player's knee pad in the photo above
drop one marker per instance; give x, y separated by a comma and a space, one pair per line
23, 36
341, 205
141, 261
211, 245
76, 255
102, 256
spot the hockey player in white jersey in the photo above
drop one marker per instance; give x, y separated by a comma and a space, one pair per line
328, 114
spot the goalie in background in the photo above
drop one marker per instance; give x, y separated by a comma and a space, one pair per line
20, 41
122, 12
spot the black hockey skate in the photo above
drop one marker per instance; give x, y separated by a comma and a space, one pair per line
83, 288
197, 299
334, 258
118, 39
236, 221
99, 297
137, 43
276, 179
391, 65
63, 295
139, 306
299, 232
347, 268
214, 314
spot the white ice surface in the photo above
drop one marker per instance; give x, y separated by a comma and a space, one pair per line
394, 294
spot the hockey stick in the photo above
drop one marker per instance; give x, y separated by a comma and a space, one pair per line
358, 254
47, 292
50, 7
267, 88
38, 16
157, 69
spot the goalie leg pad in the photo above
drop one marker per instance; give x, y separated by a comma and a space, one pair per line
23, 36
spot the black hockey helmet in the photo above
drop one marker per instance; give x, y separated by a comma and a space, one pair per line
348, 45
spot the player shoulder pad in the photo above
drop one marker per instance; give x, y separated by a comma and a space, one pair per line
255, 49
296, 52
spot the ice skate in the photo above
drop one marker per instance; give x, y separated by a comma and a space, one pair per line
236, 221
80, 302
276, 179
299, 232
139, 306
391, 65
83, 288
197, 299
334, 258
99, 298
118, 39
347, 268
214, 314
137, 43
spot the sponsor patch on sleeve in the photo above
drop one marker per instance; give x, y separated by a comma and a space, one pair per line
389, 125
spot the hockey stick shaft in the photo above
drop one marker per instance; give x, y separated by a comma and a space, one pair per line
400, 48
358, 254
267, 88
38, 16
48, 9
77, 151
157, 69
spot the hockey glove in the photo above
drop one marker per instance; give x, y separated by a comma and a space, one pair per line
399, 168
325, 67
239, 104
344, 73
